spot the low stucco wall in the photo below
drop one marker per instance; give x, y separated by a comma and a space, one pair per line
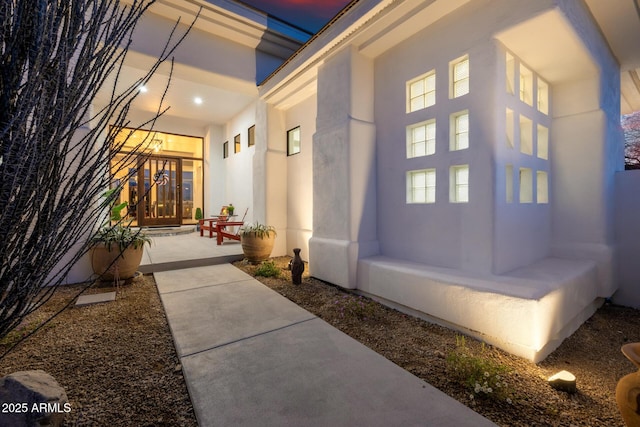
627, 229
528, 312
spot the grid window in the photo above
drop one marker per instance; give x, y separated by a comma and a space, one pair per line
509, 183
225, 150
526, 135
459, 184
526, 85
251, 136
543, 142
460, 77
421, 93
236, 144
421, 139
511, 74
543, 96
421, 186
459, 131
293, 141
542, 187
526, 185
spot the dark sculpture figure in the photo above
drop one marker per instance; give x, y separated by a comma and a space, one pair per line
297, 267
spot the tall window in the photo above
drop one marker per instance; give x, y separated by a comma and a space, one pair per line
509, 128
460, 77
526, 185
511, 73
421, 92
421, 139
459, 131
543, 96
225, 150
526, 135
421, 186
526, 85
293, 141
542, 187
509, 183
236, 144
251, 136
459, 184
543, 142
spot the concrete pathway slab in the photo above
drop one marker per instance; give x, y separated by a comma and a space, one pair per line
311, 374
206, 317
95, 298
191, 278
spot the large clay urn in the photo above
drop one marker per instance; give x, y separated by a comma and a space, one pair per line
628, 389
257, 247
125, 265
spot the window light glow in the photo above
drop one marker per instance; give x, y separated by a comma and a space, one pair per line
459, 184
460, 77
421, 139
421, 186
459, 131
421, 93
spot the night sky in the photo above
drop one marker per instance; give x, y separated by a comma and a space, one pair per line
310, 15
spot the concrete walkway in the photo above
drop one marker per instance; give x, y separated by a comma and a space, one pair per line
251, 357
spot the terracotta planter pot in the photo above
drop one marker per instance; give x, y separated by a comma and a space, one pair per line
257, 249
127, 264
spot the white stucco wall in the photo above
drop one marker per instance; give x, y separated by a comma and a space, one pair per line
628, 238
300, 177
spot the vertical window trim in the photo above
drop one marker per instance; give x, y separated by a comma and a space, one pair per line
290, 133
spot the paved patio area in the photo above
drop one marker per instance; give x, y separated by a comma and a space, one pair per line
251, 357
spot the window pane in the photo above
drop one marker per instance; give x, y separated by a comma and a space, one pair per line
461, 70
417, 88
430, 83
293, 141
417, 103
419, 149
419, 134
462, 176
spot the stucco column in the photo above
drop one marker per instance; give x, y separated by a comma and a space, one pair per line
270, 173
344, 177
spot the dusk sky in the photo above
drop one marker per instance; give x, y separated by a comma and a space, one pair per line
310, 15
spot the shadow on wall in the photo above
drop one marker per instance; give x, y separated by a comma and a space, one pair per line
278, 43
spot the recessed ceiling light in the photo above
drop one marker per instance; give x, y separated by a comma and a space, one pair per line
197, 100
143, 89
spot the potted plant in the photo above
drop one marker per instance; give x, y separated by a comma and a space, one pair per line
117, 249
199, 216
230, 209
257, 241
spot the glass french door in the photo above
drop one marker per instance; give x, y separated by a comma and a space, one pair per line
161, 201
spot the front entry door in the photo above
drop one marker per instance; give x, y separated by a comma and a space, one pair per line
162, 180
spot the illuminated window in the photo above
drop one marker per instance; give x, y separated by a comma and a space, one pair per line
251, 136
460, 77
459, 184
511, 74
526, 85
459, 131
293, 141
543, 142
543, 96
509, 183
421, 92
526, 135
542, 187
509, 128
421, 186
526, 185
421, 139
236, 144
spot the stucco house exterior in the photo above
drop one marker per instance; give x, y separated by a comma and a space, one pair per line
455, 159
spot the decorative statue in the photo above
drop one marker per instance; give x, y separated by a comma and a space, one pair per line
628, 389
297, 267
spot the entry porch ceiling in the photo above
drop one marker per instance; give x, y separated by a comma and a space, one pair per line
619, 21
222, 97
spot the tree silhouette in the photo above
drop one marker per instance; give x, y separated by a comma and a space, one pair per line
55, 151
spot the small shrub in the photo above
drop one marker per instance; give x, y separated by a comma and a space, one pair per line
18, 333
481, 376
268, 269
355, 306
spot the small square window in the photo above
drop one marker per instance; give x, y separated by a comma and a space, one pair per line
542, 187
526, 135
421, 139
459, 184
460, 77
459, 131
225, 150
526, 185
236, 144
421, 92
293, 141
251, 136
543, 142
421, 186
